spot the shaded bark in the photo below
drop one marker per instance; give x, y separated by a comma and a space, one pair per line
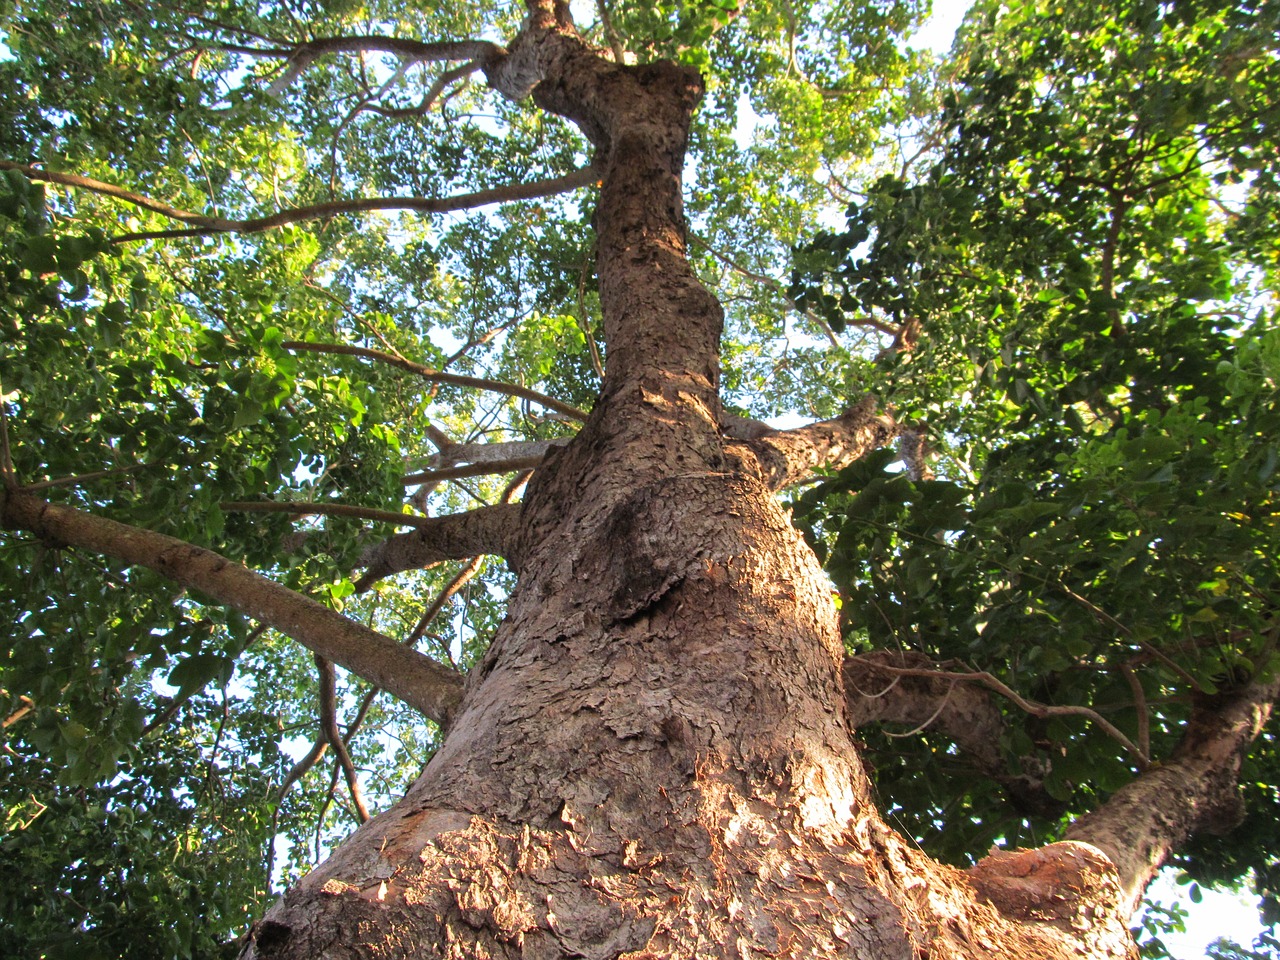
485, 530
962, 712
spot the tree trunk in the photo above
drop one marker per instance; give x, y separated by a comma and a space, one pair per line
654, 758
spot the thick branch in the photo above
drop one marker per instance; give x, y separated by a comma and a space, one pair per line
959, 710
1195, 790
203, 225
790, 456
485, 530
437, 376
418, 680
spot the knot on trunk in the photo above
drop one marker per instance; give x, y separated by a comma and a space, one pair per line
1068, 884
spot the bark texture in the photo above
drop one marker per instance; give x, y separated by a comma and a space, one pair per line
654, 757
1196, 789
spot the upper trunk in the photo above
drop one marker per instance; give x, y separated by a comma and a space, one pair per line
653, 758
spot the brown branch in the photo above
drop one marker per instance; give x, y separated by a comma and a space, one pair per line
27, 706
319, 747
432, 689
1032, 707
502, 451
8, 476
304, 508
430, 97
203, 225
1195, 790
961, 711
437, 376
615, 43
485, 530
460, 580
329, 727
790, 456
482, 469
78, 478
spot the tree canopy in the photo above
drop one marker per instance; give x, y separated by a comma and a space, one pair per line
278, 281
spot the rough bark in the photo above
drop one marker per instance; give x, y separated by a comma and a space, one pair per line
1196, 789
653, 759
486, 530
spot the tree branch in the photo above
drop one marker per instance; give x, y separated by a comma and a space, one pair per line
484, 530
491, 452
481, 469
329, 726
304, 508
1195, 790
961, 711
436, 376
1032, 707
790, 456
432, 689
409, 51
204, 225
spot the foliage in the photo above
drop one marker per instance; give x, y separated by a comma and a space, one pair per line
1087, 254
1092, 262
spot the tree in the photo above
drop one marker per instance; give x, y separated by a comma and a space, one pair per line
1064, 292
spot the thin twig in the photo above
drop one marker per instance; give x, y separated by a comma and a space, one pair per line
942, 705
78, 478
461, 579
204, 226
8, 476
437, 376
790, 304
615, 43
1032, 707
1140, 704
303, 508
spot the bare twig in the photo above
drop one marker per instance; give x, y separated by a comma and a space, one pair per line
204, 225
302, 508
790, 304
1140, 704
27, 706
78, 478
437, 376
329, 726
8, 476
1032, 707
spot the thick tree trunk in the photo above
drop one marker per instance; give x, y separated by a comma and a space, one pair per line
653, 758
